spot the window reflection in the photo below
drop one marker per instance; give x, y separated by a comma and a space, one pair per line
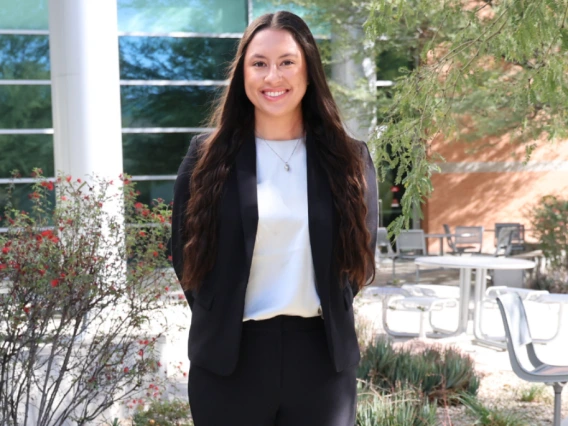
25, 107
159, 106
24, 15
211, 16
24, 153
154, 154
153, 189
20, 199
24, 57
165, 58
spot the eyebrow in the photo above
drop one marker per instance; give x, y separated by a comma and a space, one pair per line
258, 55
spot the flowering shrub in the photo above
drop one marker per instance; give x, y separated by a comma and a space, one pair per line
81, 286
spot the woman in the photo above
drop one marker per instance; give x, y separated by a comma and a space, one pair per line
273, 233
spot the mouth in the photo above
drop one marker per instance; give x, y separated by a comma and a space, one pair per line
274, 94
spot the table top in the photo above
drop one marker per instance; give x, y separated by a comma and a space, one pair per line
485, 262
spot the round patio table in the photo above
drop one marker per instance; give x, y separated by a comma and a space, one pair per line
466, 264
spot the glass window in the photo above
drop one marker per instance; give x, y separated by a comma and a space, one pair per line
25, 107
208, 16
154, 154
23, 15
163, 106
24, 57
165, 58
154, 189
24, 153
20, 198
260, 7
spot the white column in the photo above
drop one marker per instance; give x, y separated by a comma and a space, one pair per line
83, 43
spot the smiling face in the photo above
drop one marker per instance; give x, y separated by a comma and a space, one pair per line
275, 75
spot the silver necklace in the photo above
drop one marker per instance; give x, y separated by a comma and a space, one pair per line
286, 165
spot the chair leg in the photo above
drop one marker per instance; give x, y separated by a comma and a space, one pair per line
557, 403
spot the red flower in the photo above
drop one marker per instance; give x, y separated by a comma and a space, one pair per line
167, 289
79, 180
155, 254
142, 233
2, 266
126, 370
48, 185
145, 212
42, 272
54, 240
33, 195
54, 282
63, 198
5, 250
141, 352
138, 205
68, 179
26, 309
47, 233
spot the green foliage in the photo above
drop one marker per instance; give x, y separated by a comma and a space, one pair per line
400, 408
463, 71
534, 393
163, 413
549, 223
491, 416
436, 373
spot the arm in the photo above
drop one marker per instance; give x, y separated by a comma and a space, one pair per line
181, 197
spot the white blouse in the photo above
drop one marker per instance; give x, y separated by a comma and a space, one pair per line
282, 280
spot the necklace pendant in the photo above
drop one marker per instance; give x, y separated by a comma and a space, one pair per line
286, 167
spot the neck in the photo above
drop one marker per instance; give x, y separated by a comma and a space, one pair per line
279, 128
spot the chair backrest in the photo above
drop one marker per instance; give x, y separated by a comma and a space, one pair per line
411, 241
383, 240
469, 235
504, 240
517, 330
518, 237
449, 238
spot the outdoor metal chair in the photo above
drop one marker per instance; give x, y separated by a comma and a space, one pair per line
468, 236
410, 245
383, 243
424, 300
522, 355
451, 243
517, 239
504, 245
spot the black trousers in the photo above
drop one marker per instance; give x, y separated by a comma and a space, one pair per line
284, 377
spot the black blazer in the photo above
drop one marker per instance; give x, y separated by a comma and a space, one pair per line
217, 308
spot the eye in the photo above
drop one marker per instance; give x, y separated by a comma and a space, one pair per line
287, 62
258, 64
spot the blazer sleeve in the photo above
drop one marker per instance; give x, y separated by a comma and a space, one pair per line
371, 199
181, 198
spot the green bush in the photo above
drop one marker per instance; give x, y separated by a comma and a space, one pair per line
164, 413
400, 408
436, 373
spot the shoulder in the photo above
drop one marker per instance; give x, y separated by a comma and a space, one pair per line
360, 145
193, 153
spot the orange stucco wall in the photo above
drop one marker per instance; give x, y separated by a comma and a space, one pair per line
484, 198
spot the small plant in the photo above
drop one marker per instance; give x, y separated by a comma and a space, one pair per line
549, 222
490, 416
164, 413
402, 407
437, 373
534, 393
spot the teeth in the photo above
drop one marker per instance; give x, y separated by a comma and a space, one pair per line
274, 94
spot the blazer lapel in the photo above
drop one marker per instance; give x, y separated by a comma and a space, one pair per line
320, 214
245, 164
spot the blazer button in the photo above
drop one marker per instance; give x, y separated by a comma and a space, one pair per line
320, 312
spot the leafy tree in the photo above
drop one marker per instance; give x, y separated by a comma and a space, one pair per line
481, 67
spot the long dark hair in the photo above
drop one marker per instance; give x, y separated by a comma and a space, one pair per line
339, 155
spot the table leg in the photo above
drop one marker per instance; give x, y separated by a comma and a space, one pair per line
465, 286
441, 246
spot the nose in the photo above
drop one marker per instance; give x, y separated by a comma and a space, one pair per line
273, 74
